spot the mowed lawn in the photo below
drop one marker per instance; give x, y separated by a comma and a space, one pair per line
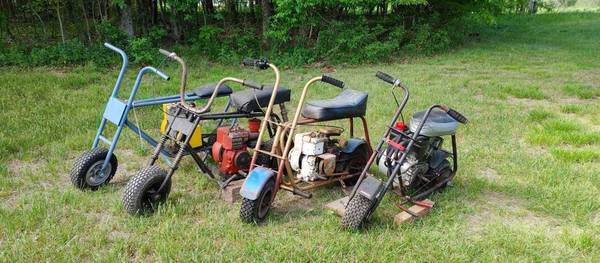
527, 189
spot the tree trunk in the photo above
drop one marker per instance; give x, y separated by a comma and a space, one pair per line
267, 12
532, 7
60, 24
208, 6
231, 9
87, 23
126, 19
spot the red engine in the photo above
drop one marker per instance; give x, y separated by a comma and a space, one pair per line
230, 151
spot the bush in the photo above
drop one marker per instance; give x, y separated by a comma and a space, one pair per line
142, 51
13, 56
61, 54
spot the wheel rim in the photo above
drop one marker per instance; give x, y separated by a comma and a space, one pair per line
265, 203
152, 196
94, 175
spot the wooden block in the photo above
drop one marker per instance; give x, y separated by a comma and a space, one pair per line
231, 193
338, 206
417, 209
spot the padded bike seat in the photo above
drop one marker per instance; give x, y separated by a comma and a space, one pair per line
348, 104
246, 100
438, 124
206, 91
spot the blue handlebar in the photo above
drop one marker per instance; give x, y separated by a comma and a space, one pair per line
161, 74
123, 67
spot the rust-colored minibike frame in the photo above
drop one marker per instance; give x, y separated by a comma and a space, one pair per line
284, 135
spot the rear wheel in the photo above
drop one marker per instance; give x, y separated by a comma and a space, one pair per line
357, 213
358, 161
444, 174
143, 194
87, 171
256, 210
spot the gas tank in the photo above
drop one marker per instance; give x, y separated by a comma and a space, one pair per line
438, 124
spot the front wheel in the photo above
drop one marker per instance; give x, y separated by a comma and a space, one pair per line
143, 194
87, 170
357, 213
256, 210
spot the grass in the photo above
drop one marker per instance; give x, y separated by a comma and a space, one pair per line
527, 187
582, 92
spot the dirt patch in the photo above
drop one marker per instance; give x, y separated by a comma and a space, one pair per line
286, 201
18, 167
586, 121
100, 218
489, 174
116, 235
589, 77
573, 100
526, 102
532, 150
499, 208
596, 219
58, 73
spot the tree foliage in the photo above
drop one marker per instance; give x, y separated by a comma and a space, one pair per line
39, 32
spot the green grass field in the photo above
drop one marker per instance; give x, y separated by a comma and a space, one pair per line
527, 189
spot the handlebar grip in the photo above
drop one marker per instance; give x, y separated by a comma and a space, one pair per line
258, 63
332, 81
165, 52
385, 77
162, 75
457, 116
110, 46
252, 85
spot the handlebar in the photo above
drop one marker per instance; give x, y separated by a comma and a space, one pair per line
332, 81
174, 56
456, 115
257, 63
125, 60
385, 77
162, 74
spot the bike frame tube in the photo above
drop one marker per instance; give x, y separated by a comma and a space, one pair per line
263, 125
115, 92
128, 107
377, 150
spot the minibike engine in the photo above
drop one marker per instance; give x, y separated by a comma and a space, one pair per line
230, 151
314, 155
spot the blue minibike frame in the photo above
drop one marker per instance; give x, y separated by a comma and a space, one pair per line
117, 110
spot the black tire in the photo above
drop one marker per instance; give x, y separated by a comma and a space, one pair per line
255, 211
443, 174
141, 194
86, 169
357, 213
266, 160
359, 159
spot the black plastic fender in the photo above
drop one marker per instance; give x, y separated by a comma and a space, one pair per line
370, 187
352, 144
437, 159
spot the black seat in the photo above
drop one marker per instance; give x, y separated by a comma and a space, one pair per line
246, 100
206, 91
348, 104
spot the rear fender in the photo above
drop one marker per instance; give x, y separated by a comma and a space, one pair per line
437, 159
352, 144
255, 182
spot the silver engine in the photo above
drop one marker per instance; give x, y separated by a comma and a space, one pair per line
309, 157
410, 169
